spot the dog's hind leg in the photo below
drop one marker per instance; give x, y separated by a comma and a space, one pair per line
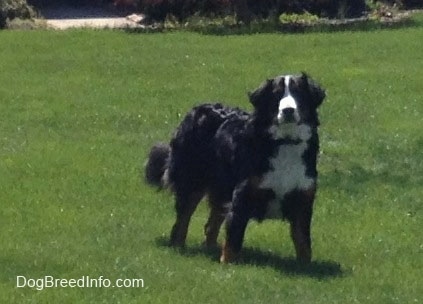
236, 224
185, 207
218, 211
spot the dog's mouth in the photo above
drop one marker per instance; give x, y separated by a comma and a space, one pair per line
290, 131
285, 126
286, 119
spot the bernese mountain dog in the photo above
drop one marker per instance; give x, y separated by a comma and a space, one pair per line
259, 165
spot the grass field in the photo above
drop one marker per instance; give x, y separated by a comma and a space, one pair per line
80, 109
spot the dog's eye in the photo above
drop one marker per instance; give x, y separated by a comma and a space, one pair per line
278, 91
279, 87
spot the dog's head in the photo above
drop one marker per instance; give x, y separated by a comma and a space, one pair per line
287, 100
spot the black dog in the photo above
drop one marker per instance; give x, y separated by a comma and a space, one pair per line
260, 165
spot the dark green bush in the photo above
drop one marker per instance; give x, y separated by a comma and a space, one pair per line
11, 9
405, 4
248, 10
76, 3
412, 3
182, 9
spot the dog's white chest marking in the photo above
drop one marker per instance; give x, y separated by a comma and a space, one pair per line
287, 173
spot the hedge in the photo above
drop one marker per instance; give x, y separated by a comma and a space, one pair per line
11, 9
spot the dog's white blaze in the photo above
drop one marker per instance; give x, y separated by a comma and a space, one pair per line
288, 173
287, 101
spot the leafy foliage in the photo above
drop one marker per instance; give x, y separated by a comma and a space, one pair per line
298, 18
11, 9
248, 10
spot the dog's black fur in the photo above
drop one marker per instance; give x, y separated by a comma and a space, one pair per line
227, 153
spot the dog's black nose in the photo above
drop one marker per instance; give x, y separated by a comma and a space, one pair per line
288, 111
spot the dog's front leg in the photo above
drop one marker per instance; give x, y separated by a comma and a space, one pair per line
300, 226
300, 233
235, 229
236, 223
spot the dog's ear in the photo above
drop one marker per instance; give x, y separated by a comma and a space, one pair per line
261, 93
317, 93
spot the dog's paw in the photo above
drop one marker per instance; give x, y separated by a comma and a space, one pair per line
228, 255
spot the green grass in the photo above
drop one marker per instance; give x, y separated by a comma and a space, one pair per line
80, 110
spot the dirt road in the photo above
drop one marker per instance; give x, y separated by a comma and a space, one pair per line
67, 17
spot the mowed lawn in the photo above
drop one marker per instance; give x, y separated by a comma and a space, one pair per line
80, 110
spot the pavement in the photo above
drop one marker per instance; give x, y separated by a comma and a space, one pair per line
62, 18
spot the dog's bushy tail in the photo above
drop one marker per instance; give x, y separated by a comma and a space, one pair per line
157, 164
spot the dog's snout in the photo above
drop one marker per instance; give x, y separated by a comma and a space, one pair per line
288, 111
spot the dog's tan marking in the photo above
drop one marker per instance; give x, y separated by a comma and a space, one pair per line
228, 255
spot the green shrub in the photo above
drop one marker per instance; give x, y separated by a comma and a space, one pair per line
249, 10
74, 3
11, 9
406, 4
305, 18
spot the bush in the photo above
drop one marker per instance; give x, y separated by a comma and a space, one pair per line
407, 4
182, 9
76, 3
305, 18
248, 10
11, 9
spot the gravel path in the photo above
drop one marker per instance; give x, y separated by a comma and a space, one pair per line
67, 17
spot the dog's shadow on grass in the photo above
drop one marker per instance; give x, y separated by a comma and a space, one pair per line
256, 257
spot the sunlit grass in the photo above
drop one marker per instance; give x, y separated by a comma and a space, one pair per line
80, 110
